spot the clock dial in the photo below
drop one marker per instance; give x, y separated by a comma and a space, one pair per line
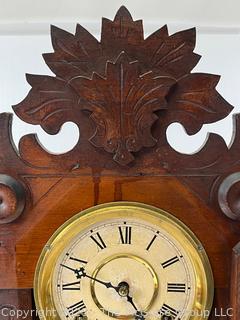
127, 261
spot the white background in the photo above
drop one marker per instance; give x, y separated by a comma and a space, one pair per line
24, 36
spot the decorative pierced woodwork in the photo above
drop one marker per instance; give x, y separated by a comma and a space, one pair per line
123, 81
122, 92
133, 89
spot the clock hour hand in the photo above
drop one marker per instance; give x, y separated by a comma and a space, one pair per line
139, 315
130, 299
123, 291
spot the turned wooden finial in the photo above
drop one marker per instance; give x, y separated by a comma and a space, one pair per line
12, 199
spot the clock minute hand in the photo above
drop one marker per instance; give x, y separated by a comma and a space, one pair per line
139, 315
106, 284
69, 268
82, 274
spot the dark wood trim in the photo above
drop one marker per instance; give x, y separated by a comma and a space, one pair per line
235, 283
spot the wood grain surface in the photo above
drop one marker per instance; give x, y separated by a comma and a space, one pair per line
122, 92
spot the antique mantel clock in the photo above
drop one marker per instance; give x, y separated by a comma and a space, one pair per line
122, 226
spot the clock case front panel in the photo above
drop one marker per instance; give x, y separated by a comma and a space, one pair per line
122, 154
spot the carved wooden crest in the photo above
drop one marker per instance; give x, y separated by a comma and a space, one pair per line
123, 92
126, 83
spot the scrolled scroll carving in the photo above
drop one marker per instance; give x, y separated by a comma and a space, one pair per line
12, 199
229, 196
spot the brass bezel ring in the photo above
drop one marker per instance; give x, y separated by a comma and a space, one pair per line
116, 210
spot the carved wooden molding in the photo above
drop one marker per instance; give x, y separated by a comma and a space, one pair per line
126, 82
123, 92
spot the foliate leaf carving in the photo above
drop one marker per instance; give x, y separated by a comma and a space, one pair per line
195, 101
174, 53
48, 103
122, 105
82, 53
123, 81
122, 29
74, 54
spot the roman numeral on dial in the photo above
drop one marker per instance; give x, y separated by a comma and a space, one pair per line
76, 308
170, 262
125, 234
78, 260
99, 241
176, 287
168, 311
70, 286
151, 242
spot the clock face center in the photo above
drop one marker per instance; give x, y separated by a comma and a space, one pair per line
123, 289
130, 276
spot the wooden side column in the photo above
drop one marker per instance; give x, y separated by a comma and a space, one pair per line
235, 283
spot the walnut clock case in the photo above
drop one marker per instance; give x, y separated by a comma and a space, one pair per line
122, 92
